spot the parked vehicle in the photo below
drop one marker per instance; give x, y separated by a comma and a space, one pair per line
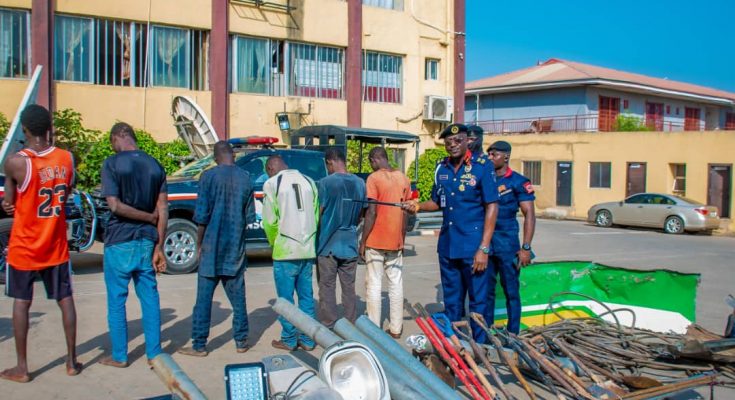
322, 137
674, 214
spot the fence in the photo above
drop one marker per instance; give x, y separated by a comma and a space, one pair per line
577, 123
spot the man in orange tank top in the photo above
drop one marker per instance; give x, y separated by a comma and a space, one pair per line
38, 181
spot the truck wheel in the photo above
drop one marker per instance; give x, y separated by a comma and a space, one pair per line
180, 246
5, 225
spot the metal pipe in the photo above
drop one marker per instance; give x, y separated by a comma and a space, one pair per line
404, 358
402, 385
309, 326
175, 379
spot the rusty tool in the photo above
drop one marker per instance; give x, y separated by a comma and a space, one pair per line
450, 349
439, 348
670, 388
480, 320
458, 325
553, 371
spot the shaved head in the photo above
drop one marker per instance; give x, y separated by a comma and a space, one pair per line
274, 165
223, 153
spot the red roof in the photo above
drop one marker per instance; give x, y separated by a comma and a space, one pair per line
558, 71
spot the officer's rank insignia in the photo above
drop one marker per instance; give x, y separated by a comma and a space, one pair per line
529, 187
501, 188
461, 187
455, 129
467, 168
481, 160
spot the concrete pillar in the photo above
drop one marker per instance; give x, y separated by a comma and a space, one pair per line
218, 42
353, 64
459, 59
42, 25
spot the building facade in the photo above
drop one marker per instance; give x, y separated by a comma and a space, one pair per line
556, 117
564, 96
369, 63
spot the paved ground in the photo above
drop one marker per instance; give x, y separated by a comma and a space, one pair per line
556, 240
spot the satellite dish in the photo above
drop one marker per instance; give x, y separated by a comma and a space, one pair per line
193, 126
730, 300
14, 140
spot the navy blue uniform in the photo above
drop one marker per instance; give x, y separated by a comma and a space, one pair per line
462, 196
513, 188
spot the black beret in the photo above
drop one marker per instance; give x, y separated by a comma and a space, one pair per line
474, 130
453, 129
500, 145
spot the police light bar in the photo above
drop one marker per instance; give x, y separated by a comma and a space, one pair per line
253, 140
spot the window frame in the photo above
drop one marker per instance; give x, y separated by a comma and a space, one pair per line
530, 174
398, 5
25, 39
320, 71
434, 70
91, 49
379, 75
597, 177
679, 178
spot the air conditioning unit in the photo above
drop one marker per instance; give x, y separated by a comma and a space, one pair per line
438, 108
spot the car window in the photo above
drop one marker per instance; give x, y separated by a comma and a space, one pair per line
195, 168
256, 169
637, 199
313, 167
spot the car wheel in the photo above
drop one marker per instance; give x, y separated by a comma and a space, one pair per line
5, 226
604, 219
674, 225
180, 246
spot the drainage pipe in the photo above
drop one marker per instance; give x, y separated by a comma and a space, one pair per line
402, 384
390, 346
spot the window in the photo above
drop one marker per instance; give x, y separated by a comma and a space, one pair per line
638, 199
107, 52
600, 174
730, 120
252, 65
179, 58
315, 71
14, 36
691, 119
381, 77
679, 173
390, 4
73, 49
532, 171
431, 69
120, 53
661, 200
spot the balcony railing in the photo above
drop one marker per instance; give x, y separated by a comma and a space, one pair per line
581, 123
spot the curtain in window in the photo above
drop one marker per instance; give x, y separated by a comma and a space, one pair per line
13, 44
390, 4
381, 77
252, 65
72, 50
170, 61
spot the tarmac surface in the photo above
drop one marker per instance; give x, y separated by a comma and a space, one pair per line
711, 256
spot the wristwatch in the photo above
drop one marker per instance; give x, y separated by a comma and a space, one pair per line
526, 247
485, 249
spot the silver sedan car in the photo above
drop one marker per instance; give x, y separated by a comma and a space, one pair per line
672, 213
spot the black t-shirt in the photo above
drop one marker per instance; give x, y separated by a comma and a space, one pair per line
136, 179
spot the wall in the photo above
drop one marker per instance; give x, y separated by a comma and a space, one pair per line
657, 149
418, 32
523, 105
143, 108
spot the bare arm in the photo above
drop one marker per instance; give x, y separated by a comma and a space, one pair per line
159, 259
529, 221
367, 227
121, 209
15, 171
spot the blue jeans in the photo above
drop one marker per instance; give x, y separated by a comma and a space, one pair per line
290, 276
202, 314
123, 261
504, 265
458, 281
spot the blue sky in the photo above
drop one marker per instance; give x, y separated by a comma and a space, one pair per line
689, 41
